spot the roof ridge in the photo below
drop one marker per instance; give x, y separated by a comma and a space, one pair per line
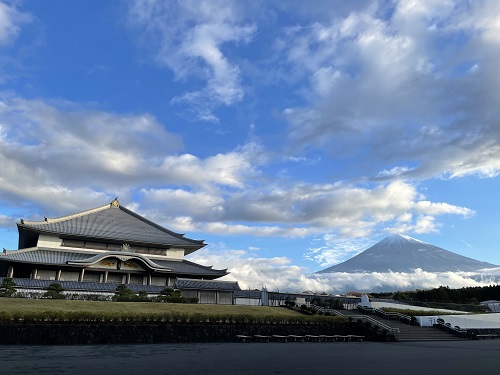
68, 217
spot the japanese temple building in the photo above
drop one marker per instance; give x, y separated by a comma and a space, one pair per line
106, 246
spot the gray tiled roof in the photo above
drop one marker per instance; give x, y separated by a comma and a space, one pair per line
206, 284
112, 223
54, 257
187, 267
43, 256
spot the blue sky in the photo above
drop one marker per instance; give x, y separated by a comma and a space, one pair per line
288, 135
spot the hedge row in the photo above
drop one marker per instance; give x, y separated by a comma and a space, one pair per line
159, 318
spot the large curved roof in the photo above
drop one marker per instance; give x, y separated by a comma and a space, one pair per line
74, 258
112, 222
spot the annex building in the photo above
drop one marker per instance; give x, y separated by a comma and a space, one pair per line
96, 250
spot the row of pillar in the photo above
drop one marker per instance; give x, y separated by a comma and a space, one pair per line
34, 274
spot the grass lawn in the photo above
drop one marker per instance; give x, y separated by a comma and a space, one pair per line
19, 306
48, 310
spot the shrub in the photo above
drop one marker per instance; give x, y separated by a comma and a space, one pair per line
7, 288
124, 294
175, 299
54, 291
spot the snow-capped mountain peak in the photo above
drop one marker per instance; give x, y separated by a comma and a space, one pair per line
400, 240
401, 253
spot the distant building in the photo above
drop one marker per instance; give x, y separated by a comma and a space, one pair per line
98, 249
493, 305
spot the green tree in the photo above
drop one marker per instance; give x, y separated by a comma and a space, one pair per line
7, 288
124, 294
401, 296
54, 291
143, 296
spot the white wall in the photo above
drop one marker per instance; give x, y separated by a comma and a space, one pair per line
175, 253
473, 321
247, 301
45, 240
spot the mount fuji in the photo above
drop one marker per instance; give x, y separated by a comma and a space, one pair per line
400, 253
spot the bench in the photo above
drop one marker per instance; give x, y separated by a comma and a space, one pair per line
342, 338
296, 338
356, 337
279, 338
483, 336
313, 338
243, 338
262, 338
327, 338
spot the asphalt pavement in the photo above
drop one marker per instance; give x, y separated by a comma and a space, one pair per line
422, 358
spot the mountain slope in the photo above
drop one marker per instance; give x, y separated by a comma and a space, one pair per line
400, 253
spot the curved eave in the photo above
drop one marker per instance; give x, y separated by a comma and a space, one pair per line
122, 255
210, 271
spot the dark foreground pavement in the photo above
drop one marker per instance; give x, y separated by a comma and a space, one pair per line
423, 358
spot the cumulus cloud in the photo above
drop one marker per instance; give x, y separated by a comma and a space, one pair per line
61, 149
379, 83
188, 37
341, 210
255, 272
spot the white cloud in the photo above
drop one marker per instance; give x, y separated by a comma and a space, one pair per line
55, 148
378, 85
393, 172
333, 250
188, 37
431, 208
11, 21
341, 210
256, 272
59, 140
6, 221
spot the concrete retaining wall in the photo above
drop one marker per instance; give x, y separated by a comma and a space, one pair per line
68, 334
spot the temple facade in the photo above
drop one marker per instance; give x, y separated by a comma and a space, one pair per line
106, 245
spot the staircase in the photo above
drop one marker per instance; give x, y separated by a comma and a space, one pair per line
416, 333
408, 332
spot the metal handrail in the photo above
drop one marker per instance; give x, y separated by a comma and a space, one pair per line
376, 322
363, 318
458, 332
398, 315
